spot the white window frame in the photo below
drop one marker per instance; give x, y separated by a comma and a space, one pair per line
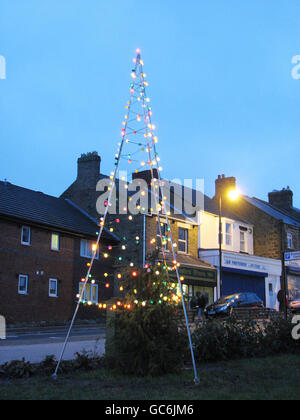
51, 294
29, 241
184, 241
21, 292
163, 228
92, 288
290, 241
244, 241
58, 236
86, 244
228, 235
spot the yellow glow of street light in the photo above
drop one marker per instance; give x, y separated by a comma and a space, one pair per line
233, 195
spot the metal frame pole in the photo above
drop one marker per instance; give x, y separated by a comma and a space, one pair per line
220, 247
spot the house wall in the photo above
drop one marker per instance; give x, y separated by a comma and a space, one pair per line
267, 230
209, 234
66, 266
151, 229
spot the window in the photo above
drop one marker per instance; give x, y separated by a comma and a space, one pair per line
53, 288
183, 236
228, 234
162, 229
243, 241
290, 241
271, 290
86, 249
23, 284
55, 242
90, 293
25, 235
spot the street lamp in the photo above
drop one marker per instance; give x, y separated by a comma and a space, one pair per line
233, 195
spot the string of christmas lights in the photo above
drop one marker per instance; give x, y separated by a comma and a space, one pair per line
138, 134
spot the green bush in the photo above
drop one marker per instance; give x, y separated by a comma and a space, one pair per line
147, 341
278, 337
231, 339
17, 369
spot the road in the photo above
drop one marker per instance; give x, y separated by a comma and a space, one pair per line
34, 346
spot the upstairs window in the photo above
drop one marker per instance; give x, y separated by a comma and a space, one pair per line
25, 235
162, 229
183, 239
290, 241
228, 234
55, 242
23, 284
86, 249
243, 242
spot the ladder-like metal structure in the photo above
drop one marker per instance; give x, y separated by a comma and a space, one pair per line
138, 132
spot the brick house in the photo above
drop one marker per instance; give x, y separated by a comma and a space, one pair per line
140, 234
45, 245
276, 226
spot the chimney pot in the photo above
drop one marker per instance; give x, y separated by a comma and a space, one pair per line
223, 185
89, 169
282, 199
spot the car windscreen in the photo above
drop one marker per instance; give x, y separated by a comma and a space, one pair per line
227, 299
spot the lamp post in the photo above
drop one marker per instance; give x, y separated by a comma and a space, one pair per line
220, 247
233, 195
284, 273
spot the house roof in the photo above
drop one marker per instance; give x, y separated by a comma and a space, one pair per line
273, 211
38, 208
185, 259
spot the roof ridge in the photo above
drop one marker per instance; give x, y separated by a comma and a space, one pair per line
284, 212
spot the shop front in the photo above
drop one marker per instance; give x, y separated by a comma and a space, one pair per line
249, 274
197, 278
293, 282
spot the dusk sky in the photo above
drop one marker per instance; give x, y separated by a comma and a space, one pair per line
220, 82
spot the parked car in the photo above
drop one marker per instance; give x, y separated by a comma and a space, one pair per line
295, 306
223, 306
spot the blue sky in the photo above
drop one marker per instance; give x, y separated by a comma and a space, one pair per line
223, 98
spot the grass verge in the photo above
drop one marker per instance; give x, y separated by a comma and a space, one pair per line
272, 378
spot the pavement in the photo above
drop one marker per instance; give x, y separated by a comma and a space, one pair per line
35, 345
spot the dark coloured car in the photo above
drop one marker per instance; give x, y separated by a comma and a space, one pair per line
223, 306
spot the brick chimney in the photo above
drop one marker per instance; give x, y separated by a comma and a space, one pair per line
282, 199
224, 185
88, 169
